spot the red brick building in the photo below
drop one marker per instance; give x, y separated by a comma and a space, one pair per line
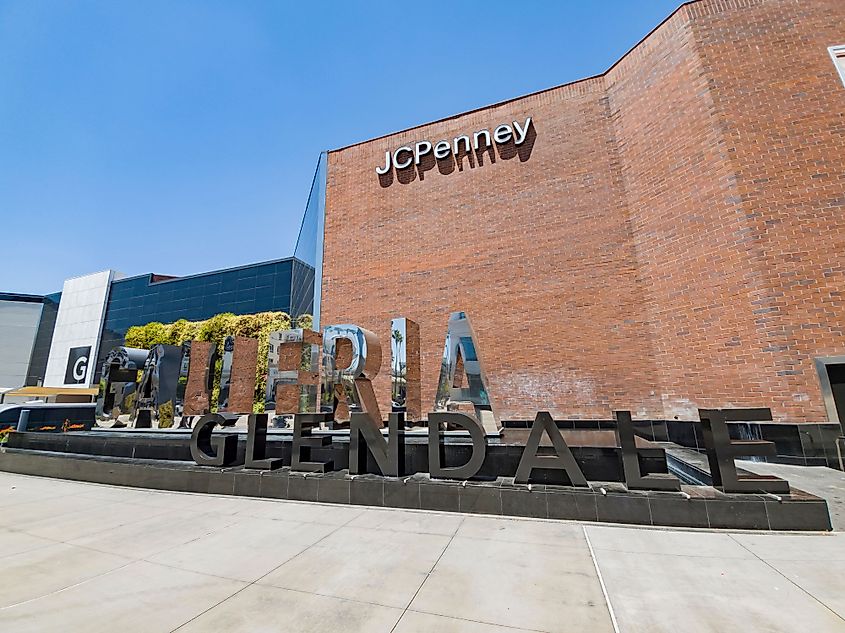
669, 235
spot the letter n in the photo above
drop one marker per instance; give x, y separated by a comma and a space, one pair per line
364, 434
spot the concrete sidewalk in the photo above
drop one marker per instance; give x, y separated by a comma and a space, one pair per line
84, 557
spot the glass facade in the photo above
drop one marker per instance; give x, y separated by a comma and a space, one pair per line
19, 317
267, 286
309, 244
43, 340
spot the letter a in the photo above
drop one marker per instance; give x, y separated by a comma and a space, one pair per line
562, 460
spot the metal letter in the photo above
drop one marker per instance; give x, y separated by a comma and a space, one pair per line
419, 152
407, 163
521, 132
383, 170
405, 368
226, 374
436, 453
256, 444
241, 396
502, 134
389, 454
293, 372
561, 460
442, 149
465, 139
479, 134
459, 352
220, 450
118, 385
722, 451
351, 385
634, 479
303, 442
184, 370
157, 388
200, 378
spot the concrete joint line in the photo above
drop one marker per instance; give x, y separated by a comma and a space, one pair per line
786, 578
250, 584
601, 581
428, 575
76, 584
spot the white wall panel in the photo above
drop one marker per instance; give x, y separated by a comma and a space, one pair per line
18, 327
79, 323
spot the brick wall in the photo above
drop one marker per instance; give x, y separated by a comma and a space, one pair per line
670, 238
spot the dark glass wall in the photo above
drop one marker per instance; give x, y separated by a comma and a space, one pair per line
43, 339
309, 244
302, 289
246, 290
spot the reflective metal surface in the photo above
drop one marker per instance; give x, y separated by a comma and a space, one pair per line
184, 369
405, 385
436, 454
213, 450
293, 380
243, 376
256, 444
365, 436
118, 384
303, 442
157, 387
200, 378
350, 385
460, 357
561, 460
634, 478
226, 374
722, 451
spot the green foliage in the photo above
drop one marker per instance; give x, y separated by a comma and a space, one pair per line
216, 329
165, 415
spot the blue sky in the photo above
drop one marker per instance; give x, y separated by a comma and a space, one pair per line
180, 136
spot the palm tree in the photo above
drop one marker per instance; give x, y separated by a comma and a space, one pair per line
397, 339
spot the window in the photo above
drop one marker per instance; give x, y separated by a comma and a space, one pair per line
838, 55
832, 378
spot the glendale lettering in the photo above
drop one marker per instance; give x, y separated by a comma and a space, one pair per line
403, 157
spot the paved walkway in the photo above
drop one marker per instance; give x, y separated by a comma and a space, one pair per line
83, 557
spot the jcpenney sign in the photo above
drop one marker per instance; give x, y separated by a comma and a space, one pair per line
407, 155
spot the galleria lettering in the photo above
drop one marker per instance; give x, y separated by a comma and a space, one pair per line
405, 156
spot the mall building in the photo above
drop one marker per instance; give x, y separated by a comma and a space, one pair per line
55, 344
663, 237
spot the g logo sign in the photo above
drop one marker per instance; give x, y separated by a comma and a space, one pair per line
79, 368
77, 365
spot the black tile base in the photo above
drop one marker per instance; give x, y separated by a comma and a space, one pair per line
440, 495
699, 506
333, 489
519, 501
367, 490
746, 514
302, 487
402, 493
